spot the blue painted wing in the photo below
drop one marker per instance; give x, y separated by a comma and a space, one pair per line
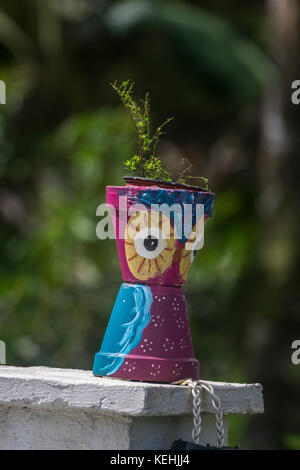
129, 318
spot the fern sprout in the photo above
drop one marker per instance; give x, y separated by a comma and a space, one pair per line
146, 163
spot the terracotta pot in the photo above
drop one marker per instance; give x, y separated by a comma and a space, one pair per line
148, 335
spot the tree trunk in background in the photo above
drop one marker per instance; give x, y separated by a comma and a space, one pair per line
279, 208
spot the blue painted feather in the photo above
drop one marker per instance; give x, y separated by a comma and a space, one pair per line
129, 318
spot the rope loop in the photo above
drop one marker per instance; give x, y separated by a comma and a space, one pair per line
196, 388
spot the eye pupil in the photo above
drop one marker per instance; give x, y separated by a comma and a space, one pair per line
150, 243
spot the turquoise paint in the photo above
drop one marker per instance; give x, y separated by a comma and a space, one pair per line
129, 318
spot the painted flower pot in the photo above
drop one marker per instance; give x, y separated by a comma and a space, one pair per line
148, 336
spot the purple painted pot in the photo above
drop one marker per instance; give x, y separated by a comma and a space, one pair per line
148, 335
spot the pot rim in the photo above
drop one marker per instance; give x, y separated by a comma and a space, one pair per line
140, 181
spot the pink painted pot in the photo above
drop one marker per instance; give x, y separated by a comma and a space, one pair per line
148, 335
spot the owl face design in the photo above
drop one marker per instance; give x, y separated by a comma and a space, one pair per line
150, 246
154, 252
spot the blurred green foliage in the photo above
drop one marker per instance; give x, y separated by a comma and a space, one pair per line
63, 139
293, 441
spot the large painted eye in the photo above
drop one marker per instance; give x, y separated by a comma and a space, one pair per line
149, 244
194, 244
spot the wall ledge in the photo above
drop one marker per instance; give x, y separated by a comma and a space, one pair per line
50, 388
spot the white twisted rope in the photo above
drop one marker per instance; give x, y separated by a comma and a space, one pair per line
196, 392
196, 387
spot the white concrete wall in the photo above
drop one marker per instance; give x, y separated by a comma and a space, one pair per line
43, 408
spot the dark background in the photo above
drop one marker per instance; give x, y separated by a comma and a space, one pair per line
224, 71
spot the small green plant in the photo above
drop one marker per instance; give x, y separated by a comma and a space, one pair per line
146, 163
184, 177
